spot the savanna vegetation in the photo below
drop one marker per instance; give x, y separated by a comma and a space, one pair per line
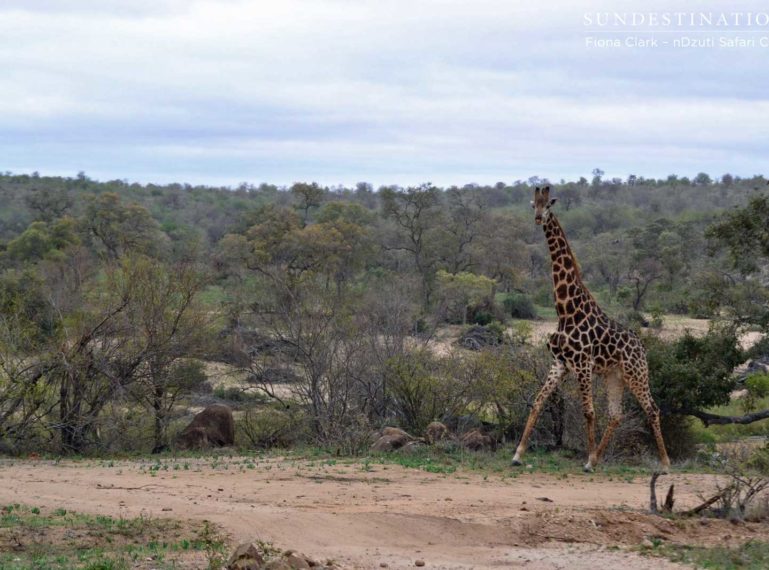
122, 304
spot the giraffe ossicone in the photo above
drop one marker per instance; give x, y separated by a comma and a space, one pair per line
588, 342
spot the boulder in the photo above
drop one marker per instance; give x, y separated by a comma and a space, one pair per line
213, 427
278, 564
246, 557
478, 337
411, 447
389, 443
436, 432
396, 431
390, 439
475, 440
296, 561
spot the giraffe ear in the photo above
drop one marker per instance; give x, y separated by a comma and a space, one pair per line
552, 201
536, 192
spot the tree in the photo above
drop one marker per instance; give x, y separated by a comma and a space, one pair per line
607, 256
169, 326
743, 233
43, 239
465, 222
415, 212
116, 229
597, 175
691, 374
308, 196
702, 179
49, 204
457, 292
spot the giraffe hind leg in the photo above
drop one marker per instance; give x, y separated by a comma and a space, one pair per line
638, 383
585, 381
614, 388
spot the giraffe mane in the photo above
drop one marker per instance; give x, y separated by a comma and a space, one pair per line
577, 269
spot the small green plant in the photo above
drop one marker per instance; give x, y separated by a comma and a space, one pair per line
213, 544
757, 386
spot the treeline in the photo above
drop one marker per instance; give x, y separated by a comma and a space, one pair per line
114, 295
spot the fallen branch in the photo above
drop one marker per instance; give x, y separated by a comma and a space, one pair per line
708, 418
698, 509
653, 493
667, 506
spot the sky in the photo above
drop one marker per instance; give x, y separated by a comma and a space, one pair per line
385, 91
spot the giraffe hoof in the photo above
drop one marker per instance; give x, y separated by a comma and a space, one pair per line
587, 468
516, 463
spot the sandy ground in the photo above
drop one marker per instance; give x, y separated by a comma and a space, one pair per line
366, 515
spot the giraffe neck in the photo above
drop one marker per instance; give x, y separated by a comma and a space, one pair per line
571, 294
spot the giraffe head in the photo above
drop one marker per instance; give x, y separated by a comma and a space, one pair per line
541, 204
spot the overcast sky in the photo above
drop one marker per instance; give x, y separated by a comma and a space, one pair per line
340, 91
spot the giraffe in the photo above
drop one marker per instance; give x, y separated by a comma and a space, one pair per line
588, 342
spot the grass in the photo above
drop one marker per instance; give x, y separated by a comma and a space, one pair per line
733, 432
546, 312
431, 459
752, 555
57, 539
559, 462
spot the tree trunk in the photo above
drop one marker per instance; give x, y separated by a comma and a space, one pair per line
159, 432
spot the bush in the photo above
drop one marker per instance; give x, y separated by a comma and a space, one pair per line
422, 388
757, 386
519, 306
265, 428
693, 373
234, 394
759, 460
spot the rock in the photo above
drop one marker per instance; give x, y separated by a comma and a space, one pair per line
477, 337
397, 432
411, 447
419, 563
245, 557
475, 440
213, 427
296, 561
278, 564
436, 432
391, 438
389, 443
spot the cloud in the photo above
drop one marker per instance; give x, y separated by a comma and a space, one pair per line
341, 91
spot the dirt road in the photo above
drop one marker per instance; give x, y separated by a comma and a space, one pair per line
365, 515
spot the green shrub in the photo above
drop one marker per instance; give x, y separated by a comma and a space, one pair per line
519, 306
757, 386
235, 394
422, 387
265, 428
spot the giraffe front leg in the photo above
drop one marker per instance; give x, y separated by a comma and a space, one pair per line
556, 374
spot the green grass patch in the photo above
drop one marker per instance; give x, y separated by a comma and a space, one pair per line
753, 555
546, 312
450, 460
733, 432
58, 539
